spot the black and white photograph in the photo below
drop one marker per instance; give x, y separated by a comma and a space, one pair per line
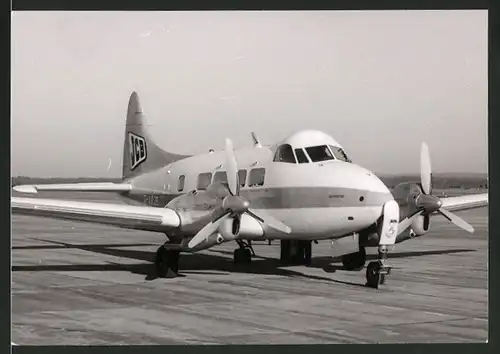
249, 177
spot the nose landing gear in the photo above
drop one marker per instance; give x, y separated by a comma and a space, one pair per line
376, 271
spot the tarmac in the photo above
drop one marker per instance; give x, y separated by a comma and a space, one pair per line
85, 284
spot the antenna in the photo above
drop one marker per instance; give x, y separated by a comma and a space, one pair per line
256, 141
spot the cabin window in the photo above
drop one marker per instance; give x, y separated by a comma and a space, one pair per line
319, 153
204, 180
301, 156
242, 176
257, 176
220, 177
180, 183
339, 154
284, 154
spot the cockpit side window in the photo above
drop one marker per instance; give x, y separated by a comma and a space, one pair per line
319, 153
301, 156
340, 154
284, 154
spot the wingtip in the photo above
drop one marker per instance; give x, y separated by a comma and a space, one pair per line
26, 188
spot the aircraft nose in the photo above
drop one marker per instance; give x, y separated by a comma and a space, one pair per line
367, 180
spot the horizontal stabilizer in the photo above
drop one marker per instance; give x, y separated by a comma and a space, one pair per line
74, 187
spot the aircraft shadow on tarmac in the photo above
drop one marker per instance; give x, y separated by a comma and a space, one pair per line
199, 263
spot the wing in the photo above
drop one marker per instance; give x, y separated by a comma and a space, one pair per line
75, 187
125, 216
465, 202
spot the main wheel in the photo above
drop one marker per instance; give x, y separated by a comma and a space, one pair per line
166, 262
174, 261
242, 256
354, 261
373, 276
307, 253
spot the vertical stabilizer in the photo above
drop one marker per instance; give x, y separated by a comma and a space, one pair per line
140, 153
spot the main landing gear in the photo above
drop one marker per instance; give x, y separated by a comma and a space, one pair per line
355, 261
376, 271
166, 262
296, 252
243, 254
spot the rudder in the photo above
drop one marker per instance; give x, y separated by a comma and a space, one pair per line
140, 153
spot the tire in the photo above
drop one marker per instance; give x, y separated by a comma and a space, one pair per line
373, 276
166, 263
161, 262
237, 256
174, 261
247, 255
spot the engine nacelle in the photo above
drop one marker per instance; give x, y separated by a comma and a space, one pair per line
249, 229
420, 225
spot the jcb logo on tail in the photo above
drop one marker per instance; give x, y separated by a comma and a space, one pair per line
138, 151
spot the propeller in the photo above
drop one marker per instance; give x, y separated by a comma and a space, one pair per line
426, 203
235, 206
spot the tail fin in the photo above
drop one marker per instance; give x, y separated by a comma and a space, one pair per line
140, 153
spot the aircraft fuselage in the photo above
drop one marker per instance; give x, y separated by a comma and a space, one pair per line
317, 200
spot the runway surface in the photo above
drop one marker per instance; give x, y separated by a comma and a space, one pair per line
83, 284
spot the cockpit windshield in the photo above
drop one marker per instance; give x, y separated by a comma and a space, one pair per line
319, 153
285, 154
340, 154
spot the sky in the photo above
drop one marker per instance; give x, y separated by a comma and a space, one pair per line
379, 82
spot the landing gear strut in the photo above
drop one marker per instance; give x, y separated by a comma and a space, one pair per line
243, 254
376, 271
166, 262
355, 261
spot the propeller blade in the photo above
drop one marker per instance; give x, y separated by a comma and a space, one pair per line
232, 169
206, 231
406, 222
267, 219
425, 169
456, 220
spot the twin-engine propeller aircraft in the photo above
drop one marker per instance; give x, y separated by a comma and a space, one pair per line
302, 189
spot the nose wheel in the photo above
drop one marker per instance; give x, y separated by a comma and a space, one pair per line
376, 271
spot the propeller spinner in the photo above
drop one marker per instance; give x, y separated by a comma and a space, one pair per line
426, 203
234, 205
